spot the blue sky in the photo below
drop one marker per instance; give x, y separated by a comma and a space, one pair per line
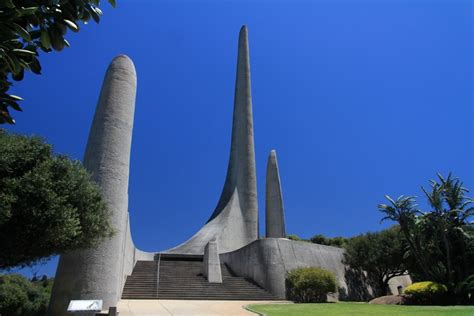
359, 98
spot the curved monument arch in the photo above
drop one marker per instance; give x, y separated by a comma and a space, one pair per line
234, 222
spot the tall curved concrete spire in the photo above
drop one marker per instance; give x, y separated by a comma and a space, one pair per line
234, 222
274, 211
99, 272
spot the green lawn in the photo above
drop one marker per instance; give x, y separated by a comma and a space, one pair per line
360, 309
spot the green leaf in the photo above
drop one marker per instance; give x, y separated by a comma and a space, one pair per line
113, 3
13, 63
28, 11
95, 14
73, 26
5, 116
45, 39
15, 97
35, 66
23, 52
85, 17
57, 39
15, 106
62, 28
22, 32
19, 76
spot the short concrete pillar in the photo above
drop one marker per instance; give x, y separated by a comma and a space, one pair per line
400, 290
212, 263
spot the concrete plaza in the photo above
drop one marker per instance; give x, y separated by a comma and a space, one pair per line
185, 307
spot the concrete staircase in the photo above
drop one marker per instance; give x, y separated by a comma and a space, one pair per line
142, 283
179, 277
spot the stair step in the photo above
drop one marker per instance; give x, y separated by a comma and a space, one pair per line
180, 277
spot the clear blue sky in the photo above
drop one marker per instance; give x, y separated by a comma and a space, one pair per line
359, 98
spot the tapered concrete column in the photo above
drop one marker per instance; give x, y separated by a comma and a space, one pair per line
212, 263
241, 172
98, 273
274, 211
234, 222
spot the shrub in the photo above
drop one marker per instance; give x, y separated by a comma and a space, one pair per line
19, 296
426, 292
310, 285
294, 237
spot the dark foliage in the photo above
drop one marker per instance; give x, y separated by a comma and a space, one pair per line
380, 255
20, 297
48, 203
27, 26
441, 240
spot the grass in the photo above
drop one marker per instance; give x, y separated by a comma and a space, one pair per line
360, 309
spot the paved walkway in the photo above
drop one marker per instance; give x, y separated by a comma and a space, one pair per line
182, 308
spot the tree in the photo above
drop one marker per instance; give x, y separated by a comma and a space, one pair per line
48, 203
29, 25
441, 241
379, 254
19, 296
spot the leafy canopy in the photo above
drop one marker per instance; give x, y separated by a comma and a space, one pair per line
380, 254
48, 203
27, 26
20, 296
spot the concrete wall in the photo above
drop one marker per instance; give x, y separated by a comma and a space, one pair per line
129, 259
267, 261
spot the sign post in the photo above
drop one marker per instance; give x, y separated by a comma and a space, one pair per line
85, 307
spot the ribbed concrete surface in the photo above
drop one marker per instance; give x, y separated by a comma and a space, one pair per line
99, 272
171, 307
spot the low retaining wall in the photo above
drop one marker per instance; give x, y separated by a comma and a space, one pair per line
267, 261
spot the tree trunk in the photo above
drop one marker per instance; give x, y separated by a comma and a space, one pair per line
382, 287
448, 258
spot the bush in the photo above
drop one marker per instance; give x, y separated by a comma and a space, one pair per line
19, 296
294, 237
310, 285
426, 292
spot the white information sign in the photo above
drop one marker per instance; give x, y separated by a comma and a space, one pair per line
81, 306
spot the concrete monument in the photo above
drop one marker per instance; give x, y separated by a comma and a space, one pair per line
234, 222
100, 272
230, 236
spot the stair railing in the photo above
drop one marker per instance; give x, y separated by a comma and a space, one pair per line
158, 274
